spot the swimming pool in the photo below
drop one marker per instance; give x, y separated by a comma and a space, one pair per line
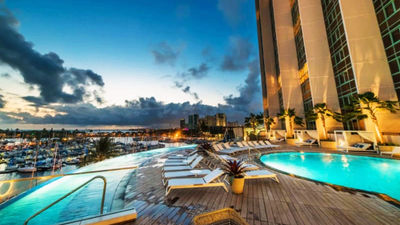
83, 203
360, 172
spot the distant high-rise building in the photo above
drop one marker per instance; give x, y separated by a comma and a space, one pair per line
182, 123
210, 121
220, 119
326, 51
193, 121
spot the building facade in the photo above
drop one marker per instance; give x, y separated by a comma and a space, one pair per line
325, 51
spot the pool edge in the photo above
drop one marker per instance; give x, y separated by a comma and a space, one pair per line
382, 196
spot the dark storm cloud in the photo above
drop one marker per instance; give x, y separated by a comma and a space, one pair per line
237, 57
2, 101
45, 71
248, 91
140, 112
232, 11
165, 54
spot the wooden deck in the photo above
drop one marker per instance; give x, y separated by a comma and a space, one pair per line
292, 201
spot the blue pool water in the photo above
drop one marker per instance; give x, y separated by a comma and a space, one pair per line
360, 172
83, 203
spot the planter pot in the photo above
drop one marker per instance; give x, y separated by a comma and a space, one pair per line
328, 145
291, 141
237, 185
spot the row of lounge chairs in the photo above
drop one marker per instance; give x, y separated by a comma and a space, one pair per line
226, 148
183, 172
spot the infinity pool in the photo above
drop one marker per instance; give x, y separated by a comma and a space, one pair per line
360, 172
83, 203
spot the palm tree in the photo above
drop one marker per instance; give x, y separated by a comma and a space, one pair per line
254, 120
268, 121
103, 148
290, 114
365, 106
321, 111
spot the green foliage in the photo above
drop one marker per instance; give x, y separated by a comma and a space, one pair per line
104, 147
268, 121
234, 168
291, 115
254, 120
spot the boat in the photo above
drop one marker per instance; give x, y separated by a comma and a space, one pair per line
27, 169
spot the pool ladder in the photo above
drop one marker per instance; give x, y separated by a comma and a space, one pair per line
70, 193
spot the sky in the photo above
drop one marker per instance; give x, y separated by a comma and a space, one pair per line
104, 63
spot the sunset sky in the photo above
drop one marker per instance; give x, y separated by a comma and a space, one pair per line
105, 63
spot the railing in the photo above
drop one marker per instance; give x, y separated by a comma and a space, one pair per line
12, 188
70, 193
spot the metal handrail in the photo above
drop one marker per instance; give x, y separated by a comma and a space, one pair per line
69, 193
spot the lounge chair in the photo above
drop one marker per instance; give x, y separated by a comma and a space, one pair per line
174, 162
270, 145
231, 150
180, 168
260, 174
308, 142
191, 183
182, 156
395, 150
184, 174
250, 144
355, 147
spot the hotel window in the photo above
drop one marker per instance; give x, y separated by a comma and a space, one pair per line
302, 62
388, 16
340, 57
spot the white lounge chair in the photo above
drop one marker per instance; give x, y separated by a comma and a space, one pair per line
308, 142
271, 145
395, 150
182, 156
173, 162
191, 183
250, 144
180, 168
231, 150
260, 174
355, 147
183, 174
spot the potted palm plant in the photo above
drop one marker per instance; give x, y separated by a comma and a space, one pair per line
235, 170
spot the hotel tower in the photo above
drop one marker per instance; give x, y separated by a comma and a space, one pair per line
324, 51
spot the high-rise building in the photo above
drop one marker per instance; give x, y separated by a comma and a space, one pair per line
325, 51
193, 121
220, 119
182, 123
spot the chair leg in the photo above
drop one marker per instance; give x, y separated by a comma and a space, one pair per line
276, 179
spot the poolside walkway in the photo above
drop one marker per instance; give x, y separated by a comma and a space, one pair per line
292, 201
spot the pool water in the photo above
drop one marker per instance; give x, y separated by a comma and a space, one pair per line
360, 172
85, 202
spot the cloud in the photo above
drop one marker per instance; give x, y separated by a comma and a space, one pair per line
248, 91
2, 101
232, 11
140, 112
165, 54
5, 75
239, 52
188, 91
198, 72
45, 71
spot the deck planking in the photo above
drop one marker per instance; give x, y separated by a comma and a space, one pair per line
293, 201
